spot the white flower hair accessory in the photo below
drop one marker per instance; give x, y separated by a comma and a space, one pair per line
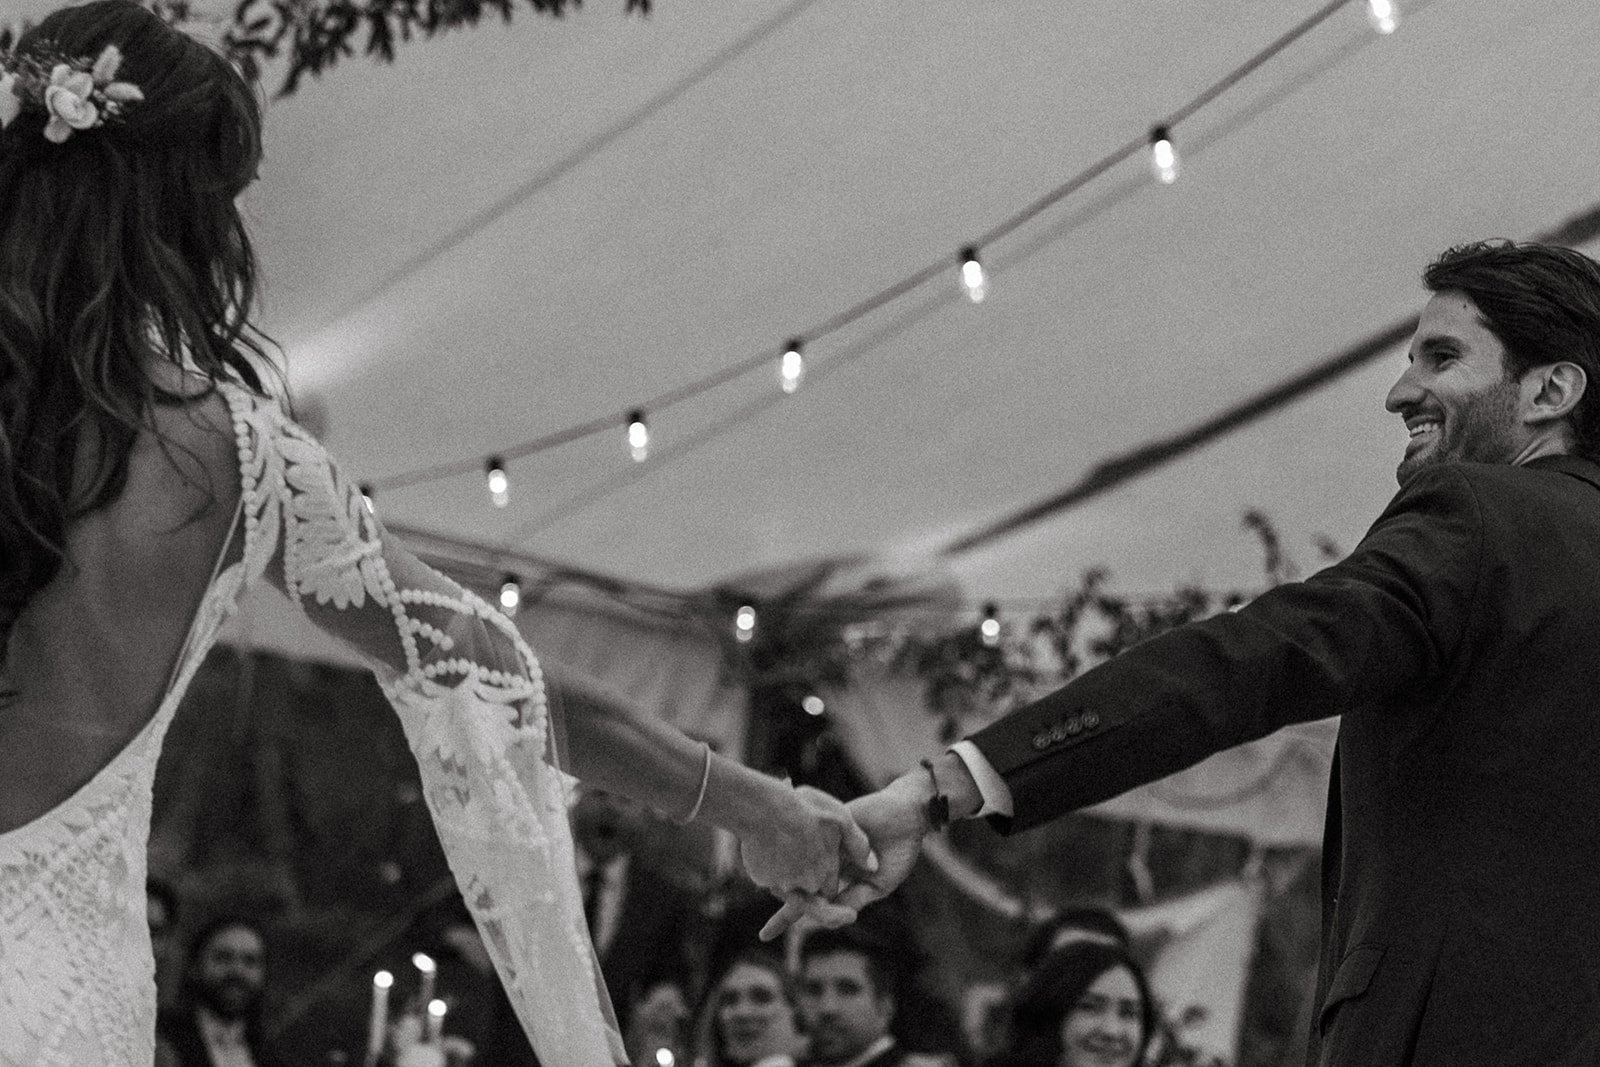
75, 94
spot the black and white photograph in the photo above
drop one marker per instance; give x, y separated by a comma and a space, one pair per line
784, 533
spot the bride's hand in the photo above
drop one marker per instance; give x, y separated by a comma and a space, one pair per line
809, 840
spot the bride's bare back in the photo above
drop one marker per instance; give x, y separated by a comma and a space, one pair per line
91, 655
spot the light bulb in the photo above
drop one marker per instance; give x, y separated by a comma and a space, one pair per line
424, 963
510, 594
494, 470
1383, 15
974, 281
744, 623
1163, 157
665, 1058
792, 367
638, 437
813, 705
383, 979
989, 629
366, 497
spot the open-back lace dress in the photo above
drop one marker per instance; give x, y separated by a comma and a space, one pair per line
76, 970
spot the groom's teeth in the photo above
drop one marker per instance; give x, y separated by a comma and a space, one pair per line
1423, 427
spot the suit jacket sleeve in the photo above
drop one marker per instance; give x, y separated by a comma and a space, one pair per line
1354, 636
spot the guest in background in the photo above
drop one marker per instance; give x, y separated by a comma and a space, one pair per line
658, 1027
161, 913
749, 1016
987, 1004
641, 922
218, 1019
847, 999
1087, 1004
1083, 922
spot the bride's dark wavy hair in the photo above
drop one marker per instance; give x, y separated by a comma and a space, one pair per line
119, 248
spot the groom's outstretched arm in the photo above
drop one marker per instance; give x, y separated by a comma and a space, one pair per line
1348, 639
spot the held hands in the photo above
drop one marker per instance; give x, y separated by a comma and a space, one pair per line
895, 821
804, 847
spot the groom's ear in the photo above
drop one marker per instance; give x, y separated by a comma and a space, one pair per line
1552, 391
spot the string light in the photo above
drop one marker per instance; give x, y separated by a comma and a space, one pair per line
813, 705
365, 488
494, 469
974, 280
638, 436
436, 1012
792, 367
744, 624
1383, 15
510, 594
989, 628
1163, 157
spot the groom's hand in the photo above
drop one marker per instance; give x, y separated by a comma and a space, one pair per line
895, 820
801, 848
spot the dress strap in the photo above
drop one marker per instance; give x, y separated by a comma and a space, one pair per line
194, 621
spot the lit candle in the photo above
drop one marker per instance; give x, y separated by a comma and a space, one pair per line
436, 1010
381, 983
424, 963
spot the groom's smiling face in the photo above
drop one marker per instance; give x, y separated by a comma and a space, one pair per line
1456, 400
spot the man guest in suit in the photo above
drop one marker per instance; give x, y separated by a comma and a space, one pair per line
1460, 642
218, 1023
641, 923
847, 1001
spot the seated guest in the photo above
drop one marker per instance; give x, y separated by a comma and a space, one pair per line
218, 1020
1087, 1004
749, 1016
847, 999
1085, 922
641, 922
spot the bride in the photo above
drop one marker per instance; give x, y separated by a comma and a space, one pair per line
147, 476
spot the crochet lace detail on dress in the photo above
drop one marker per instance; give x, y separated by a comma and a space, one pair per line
76, 972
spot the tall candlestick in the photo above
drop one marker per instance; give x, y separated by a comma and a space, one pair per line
379, 1023
424, 964
436, 1010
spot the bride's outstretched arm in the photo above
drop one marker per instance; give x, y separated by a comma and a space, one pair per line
415, 622
791, 839
472, 699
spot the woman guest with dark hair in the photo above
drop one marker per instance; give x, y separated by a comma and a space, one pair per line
1087, 1004
749, 1017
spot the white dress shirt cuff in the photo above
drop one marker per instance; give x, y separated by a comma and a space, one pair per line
996, 794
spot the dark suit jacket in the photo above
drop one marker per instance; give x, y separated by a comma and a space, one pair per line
652, 939
1461, 863
180, 1030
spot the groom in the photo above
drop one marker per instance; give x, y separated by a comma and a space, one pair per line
1460, 642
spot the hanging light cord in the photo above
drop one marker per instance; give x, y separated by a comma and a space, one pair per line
609, 423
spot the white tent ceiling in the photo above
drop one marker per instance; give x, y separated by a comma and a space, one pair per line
701, 184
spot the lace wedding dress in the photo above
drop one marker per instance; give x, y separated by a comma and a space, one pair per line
76, 969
